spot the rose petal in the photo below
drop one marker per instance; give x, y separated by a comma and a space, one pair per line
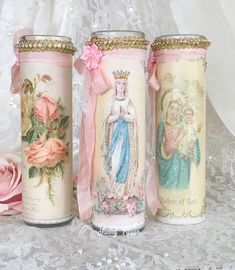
16, 191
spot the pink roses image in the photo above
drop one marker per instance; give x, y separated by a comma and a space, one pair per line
105, 207
44, 124
46, 109
45, 154
10, 185
105, 202
131, 208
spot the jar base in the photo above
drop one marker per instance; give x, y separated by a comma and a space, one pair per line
107, 231
47, 223
180, 221
118, 224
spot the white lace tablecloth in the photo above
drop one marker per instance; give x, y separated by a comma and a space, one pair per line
209, 245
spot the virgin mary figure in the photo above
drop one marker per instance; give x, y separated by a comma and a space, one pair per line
121, 145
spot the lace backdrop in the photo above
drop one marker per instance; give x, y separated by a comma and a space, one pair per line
77, 18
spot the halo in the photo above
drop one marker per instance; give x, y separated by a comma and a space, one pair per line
188, 106
174, 94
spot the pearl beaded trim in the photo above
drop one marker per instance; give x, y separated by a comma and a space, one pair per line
46, 45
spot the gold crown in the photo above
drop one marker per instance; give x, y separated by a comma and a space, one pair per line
120, 74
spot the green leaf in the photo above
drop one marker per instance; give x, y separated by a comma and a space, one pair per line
40, 129
64, 121
59, 170
33, 171
33, 120
39, 94
31, 136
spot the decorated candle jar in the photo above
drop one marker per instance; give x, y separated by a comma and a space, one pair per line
179, 64
45, 66
111, 180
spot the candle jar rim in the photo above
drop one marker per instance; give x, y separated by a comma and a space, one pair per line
180, 36
117, 33
46, 37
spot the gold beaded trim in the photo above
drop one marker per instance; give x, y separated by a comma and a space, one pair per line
106, 44
46, 46
180, 43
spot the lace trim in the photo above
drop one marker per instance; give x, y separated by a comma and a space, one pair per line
47, 221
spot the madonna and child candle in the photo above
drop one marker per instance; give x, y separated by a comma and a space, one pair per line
45, 66
180, 126
111, 181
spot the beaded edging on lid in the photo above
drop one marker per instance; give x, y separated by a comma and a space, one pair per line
105, 44
46, 45
199, 42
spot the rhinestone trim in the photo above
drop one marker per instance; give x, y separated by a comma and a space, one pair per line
106, 44
180, 43
46, 46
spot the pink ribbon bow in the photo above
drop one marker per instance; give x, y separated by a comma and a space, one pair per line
152, 178
15, 70
96, 82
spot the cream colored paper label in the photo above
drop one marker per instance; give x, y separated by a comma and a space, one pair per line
118, 165
46, 121
181, 139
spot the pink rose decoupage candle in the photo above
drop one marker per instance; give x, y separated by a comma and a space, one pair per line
180, 127
111, 180
45, 64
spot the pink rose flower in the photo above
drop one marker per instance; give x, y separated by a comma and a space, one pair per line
10, 185
125, 197
131, 209
46, 109
91, 56
45, 154
105, 207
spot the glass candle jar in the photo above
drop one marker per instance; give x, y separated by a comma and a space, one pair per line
111, 176
46, 126
180, 122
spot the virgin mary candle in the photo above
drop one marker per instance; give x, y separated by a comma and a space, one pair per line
180, 127
111, 180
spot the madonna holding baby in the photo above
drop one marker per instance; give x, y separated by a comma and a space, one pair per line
177, 147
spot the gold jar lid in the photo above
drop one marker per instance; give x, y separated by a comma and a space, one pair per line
118, 39
46, 43
180, 42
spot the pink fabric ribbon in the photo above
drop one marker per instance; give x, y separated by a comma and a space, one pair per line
52, 58
15, 70
151, 67
152, 178
96, 82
